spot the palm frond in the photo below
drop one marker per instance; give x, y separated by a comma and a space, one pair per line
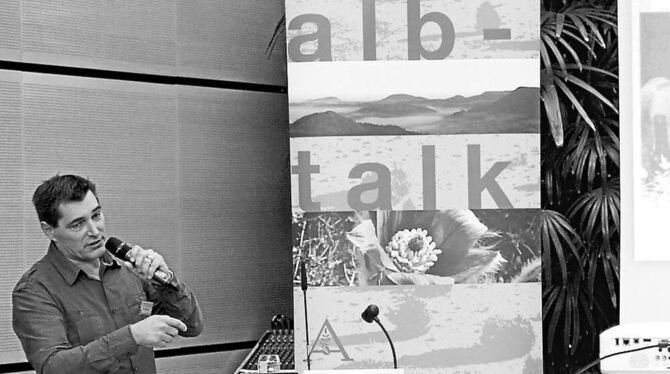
580, 167
567, 306
580, 28
588, 154
558, 237
279, 29
552, 106
587, 87
594, 209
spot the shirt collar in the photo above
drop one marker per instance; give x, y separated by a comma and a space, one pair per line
69, 270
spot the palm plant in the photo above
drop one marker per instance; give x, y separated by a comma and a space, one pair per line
580, 169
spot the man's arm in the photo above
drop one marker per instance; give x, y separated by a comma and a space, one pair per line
179, 303
40, 326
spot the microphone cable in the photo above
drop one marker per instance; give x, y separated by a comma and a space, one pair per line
395, 361
370, 314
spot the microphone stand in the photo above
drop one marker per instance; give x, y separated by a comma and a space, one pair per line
395, 362
303, 284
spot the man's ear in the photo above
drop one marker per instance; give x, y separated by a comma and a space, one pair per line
48, 230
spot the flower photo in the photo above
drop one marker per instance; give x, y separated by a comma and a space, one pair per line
416, 247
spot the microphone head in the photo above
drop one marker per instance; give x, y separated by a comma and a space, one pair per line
117, 247
303, 276
370, 313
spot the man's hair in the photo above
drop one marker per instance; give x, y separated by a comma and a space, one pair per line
57, 190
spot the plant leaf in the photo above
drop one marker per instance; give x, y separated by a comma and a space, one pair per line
552, 107
575, 102
571, 78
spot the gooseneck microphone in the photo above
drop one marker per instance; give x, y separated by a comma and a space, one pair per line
120, 249
370, 314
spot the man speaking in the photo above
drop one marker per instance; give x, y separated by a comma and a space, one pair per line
81, 310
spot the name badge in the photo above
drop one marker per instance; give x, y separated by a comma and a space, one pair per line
145, 308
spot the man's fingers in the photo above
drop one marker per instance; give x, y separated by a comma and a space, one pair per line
144, 265
133, 254
171, 331
176, 323
153, 266
167, 338
146, 261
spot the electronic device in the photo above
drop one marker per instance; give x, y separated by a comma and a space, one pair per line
274, 351
650, 342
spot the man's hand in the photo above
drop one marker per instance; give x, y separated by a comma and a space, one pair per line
156, 331
146, 261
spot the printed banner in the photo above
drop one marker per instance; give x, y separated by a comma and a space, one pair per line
474, 329
417, 247
651, 136
415, 172
350, 30
415, 182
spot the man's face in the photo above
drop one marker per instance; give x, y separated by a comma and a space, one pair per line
80, 234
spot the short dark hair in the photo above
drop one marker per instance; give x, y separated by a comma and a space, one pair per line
57, 190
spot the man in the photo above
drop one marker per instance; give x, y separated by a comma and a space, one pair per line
81, 310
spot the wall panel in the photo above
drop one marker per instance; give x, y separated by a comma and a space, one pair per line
199, 174
224, 40
212, 44
13, 261
234, 204
125, 35
10, 25
122, 135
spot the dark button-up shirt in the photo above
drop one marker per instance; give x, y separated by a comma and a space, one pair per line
68, 322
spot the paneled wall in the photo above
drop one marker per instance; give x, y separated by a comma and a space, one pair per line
211, 39
198, 172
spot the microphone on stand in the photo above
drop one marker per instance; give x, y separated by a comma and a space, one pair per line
303, 285
370, 314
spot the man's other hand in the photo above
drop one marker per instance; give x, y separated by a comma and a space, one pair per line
156, 331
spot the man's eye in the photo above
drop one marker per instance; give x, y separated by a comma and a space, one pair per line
97, 216
76, 226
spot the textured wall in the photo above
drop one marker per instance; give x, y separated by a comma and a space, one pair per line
197, 173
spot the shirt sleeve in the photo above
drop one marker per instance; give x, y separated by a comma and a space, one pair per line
40, 326
180, 304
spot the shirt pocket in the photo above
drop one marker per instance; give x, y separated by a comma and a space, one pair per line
89, 328
134, 304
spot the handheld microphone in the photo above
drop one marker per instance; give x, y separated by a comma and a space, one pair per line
120, 249
370, 314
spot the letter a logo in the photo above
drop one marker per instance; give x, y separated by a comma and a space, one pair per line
327, 342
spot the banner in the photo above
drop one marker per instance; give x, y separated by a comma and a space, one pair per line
651, 139
415, 182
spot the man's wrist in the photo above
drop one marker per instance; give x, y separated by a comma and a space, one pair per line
132, 332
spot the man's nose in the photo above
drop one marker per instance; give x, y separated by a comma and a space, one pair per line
93, 228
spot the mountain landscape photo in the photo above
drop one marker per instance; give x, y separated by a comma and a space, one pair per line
332, 124
493, 112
